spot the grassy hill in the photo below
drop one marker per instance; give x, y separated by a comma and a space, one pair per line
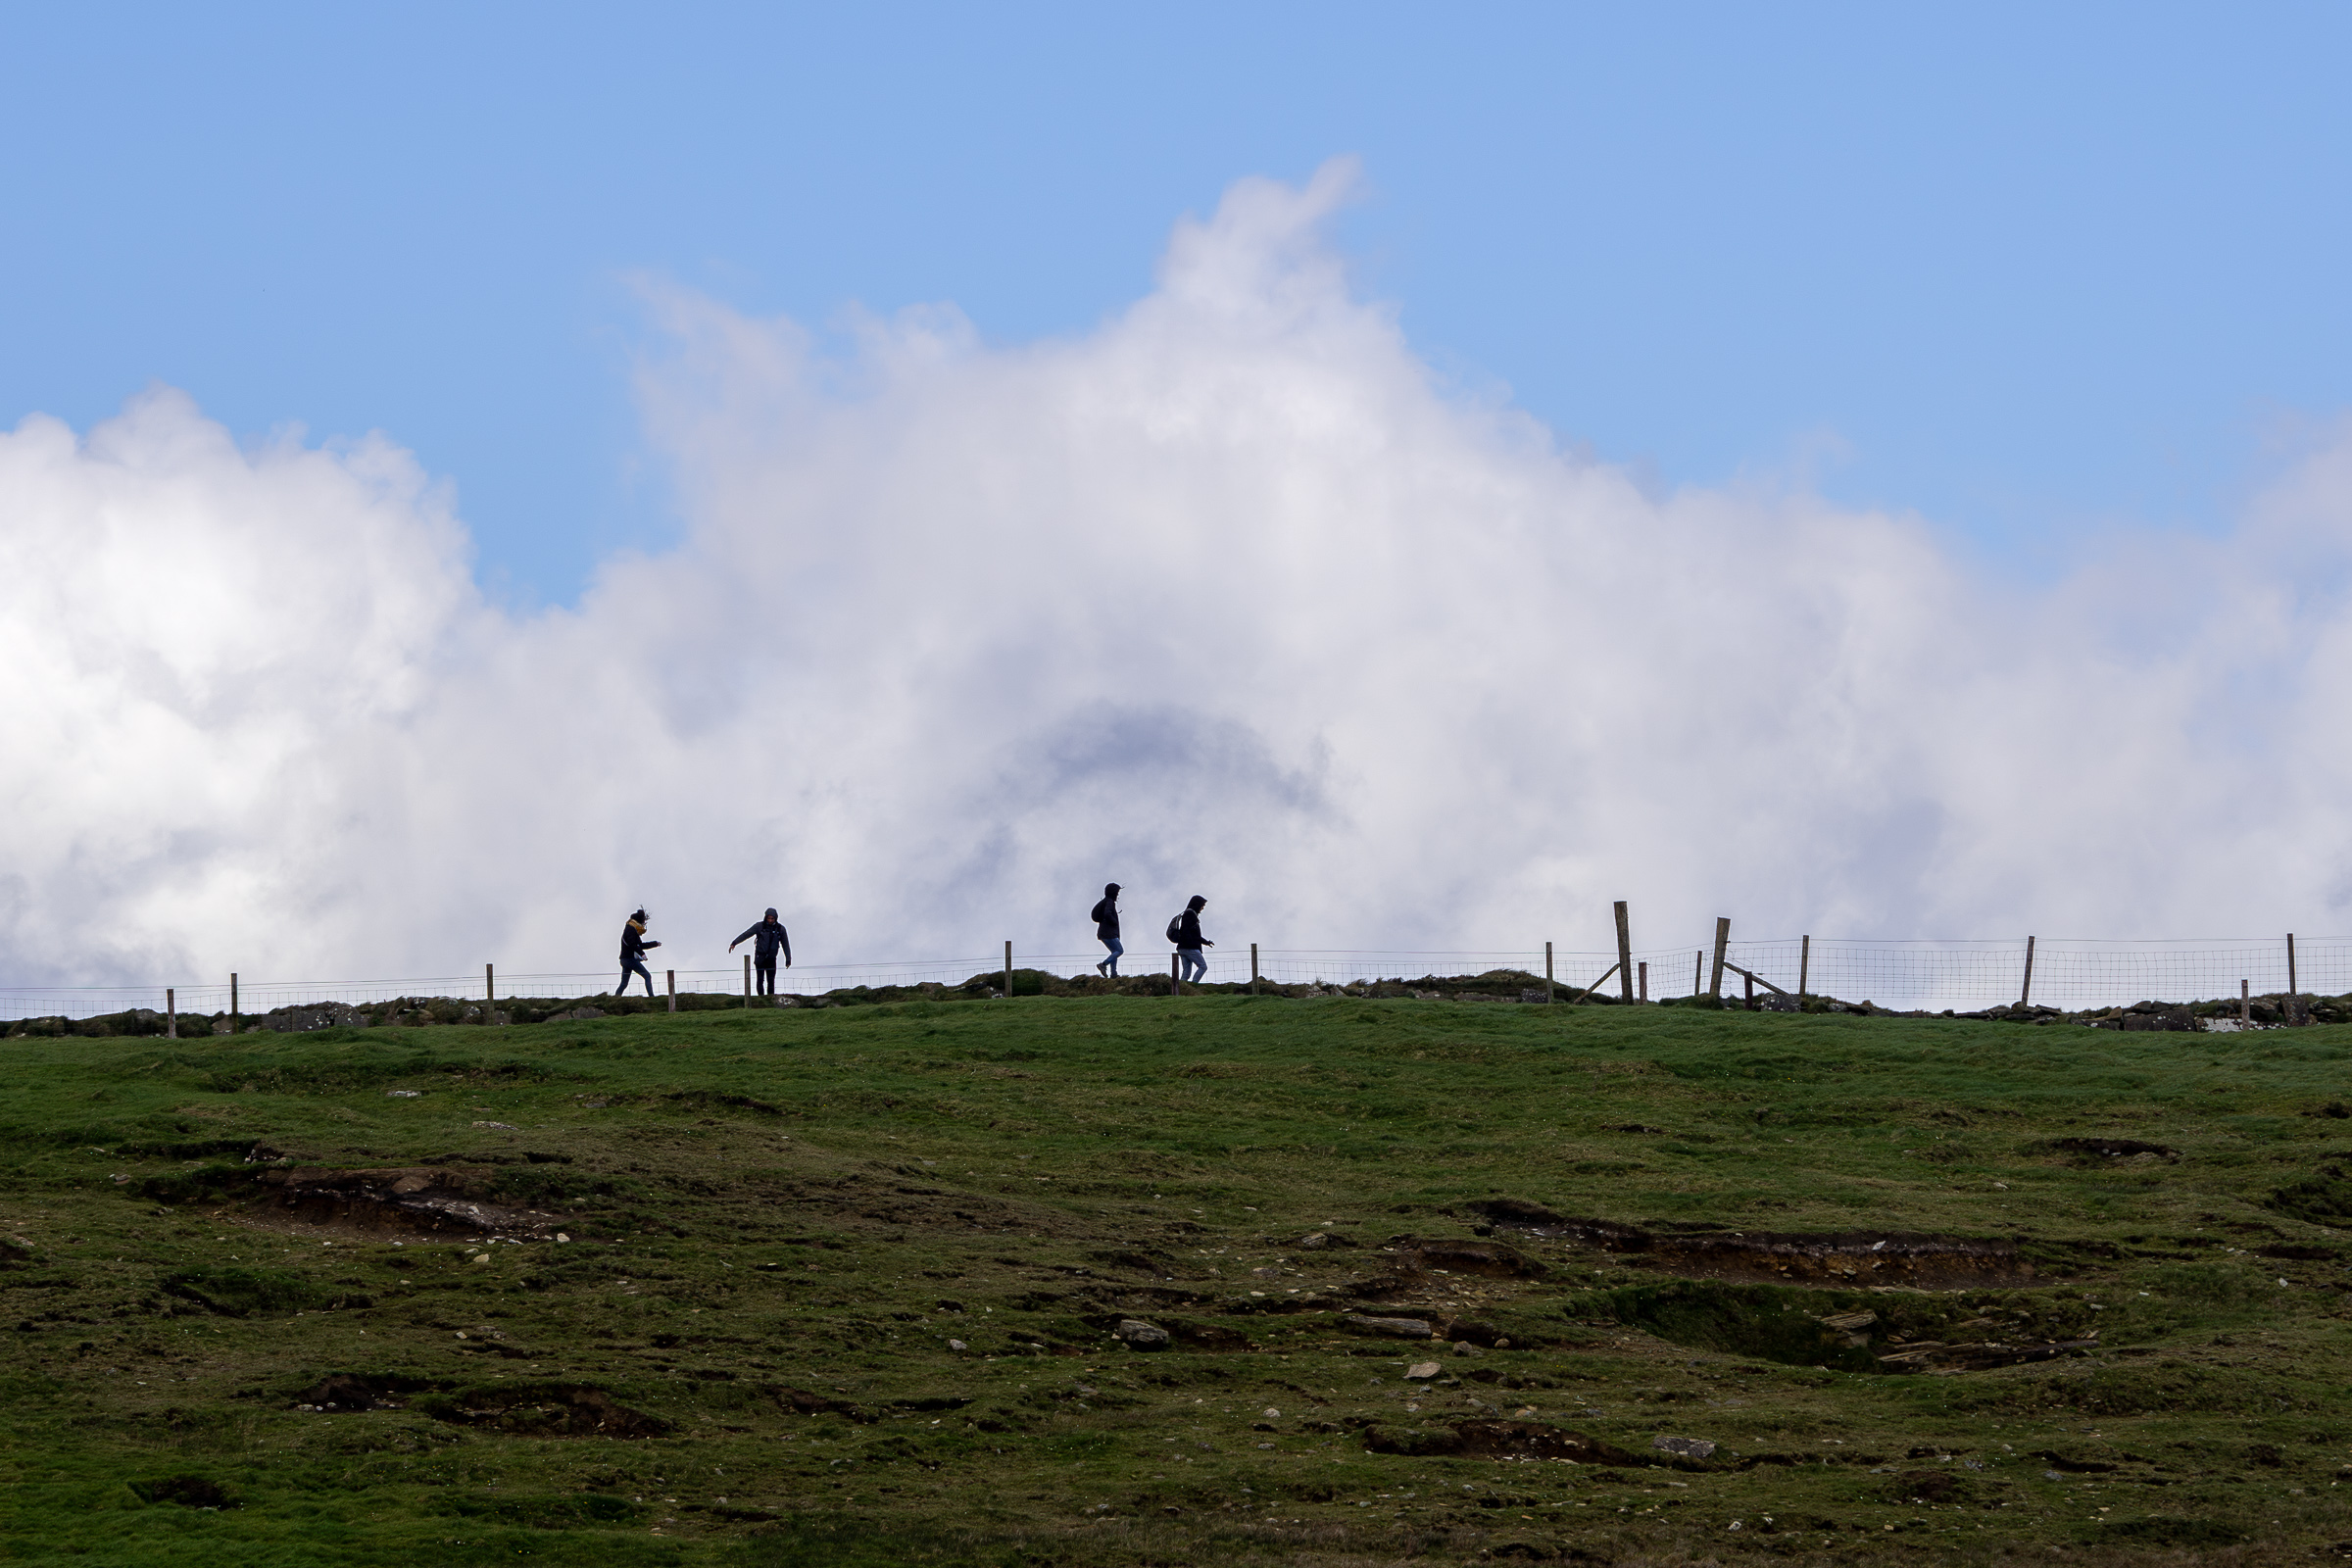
848, 1286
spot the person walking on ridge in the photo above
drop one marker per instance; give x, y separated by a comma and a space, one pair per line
1185, 932
632, 954
1105, 916
771, 935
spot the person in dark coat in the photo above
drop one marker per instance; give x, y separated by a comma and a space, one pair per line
632, 954
1105, 916
1189, 940
766, 938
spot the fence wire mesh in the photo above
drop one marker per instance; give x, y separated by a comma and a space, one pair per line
1907, 975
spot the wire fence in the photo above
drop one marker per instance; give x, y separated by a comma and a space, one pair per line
1903, 975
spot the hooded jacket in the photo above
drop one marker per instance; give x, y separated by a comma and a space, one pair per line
1105, 916
1188, 929
632, 941
771, 935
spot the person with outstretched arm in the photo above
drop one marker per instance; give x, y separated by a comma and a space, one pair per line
770, 935
632, 954
1105, 916
1185, 932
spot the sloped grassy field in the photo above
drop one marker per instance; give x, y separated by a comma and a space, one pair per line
844, 1285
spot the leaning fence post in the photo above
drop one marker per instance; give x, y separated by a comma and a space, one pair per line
1625, 955
1723, 940
1548, 994
673, 989
1644, 979
171, 1015
2293, 989
2027, 992
1008, 971
1698, 971
1253, 968
232, 1001
1805, 969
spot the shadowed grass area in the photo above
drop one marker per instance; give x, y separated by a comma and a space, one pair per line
847, 1285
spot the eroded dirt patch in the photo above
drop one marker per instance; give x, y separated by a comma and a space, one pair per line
445, 1202
1850, 1330
1501, 1439
350, 1393
523, 1409
542, 1411
800, 1402
1414, 1263
2100, 1149
1836, 1258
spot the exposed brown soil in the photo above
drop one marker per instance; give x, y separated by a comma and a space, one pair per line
347, 1393
1978, 1356
2114, 1147
523, 1409
800, 1402
1413, 1261
1489, 1260
1839, 1258
1205, 1336
544, 1410
1514, 1439
439, 1202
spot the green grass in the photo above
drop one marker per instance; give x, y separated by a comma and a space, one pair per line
780, 1219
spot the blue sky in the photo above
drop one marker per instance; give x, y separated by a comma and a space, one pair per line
2034, 271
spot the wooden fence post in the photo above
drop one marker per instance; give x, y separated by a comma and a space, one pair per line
2293, 989
2027, 992
232, 1001
1723, 940
1805, 969
673, 989
489, 990
1008, 971
1644, 979
1175, 980
1549, 996
746, 979
1253, 968
1625, 955
171, 1015
1752, 991
2245, 1002
1698, 971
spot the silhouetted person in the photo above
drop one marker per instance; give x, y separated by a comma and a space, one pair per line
632, 954
1185, 932
771, 936
1105, 916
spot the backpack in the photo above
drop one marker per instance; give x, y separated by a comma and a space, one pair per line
1173, 934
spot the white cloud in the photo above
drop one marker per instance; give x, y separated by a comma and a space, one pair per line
1231, 595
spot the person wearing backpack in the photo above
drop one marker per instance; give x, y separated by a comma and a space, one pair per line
1105, 916
1185, 932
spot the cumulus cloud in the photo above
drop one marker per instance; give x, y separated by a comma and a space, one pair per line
1231, 595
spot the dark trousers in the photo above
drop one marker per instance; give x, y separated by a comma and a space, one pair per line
764, 969
629, 967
